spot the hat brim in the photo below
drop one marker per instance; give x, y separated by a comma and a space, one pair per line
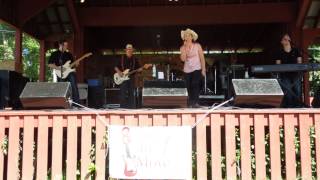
191, 32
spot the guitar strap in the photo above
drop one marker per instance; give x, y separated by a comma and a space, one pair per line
122, 63
132, 63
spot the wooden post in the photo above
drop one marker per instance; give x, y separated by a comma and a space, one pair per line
78, 52
309, 36
42, 61
18, 51
306, 83
301, 40
296, 35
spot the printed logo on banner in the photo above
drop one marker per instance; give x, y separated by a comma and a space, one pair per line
150, 152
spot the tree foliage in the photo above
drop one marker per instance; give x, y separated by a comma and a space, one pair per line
314, 77
30, 54
7, 42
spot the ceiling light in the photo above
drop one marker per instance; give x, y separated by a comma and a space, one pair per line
82, 1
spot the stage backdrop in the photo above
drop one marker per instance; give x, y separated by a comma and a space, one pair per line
150, 152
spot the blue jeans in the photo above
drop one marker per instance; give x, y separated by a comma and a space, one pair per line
127, 98
292, 88
74, 86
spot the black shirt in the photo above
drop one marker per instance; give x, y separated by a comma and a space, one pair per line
288, 57
128, 63
57, 55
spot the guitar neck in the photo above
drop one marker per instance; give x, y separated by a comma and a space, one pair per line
134, 71
78, 60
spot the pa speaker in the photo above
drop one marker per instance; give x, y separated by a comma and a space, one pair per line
46, 95
257, 92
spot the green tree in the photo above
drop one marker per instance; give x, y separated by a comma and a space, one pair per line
49, 77
314, 77
7, 42
30, 54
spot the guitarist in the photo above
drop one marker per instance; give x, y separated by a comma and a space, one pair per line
59, 58
127, 87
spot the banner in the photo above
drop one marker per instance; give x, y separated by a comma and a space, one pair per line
150, 152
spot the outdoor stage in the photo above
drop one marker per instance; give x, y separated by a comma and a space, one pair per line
62, 135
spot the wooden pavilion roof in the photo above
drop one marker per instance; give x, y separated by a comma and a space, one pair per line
48, 19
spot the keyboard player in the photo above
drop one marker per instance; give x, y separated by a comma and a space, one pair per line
290, 81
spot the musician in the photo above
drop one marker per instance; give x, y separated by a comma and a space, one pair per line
59, 58
127, 87
194, 65
290, 81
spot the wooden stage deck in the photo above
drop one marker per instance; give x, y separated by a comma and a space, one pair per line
259, 143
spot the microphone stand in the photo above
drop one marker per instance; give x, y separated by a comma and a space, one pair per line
61, 64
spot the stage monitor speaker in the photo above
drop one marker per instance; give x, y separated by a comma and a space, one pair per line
46, 95
164, 97
257, 92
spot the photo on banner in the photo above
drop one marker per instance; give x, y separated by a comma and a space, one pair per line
150, 152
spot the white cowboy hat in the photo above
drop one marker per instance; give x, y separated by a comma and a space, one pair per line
193, 34
129, 46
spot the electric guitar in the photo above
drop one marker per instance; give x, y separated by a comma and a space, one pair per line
126, 73
68, 67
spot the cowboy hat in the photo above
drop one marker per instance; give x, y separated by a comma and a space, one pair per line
129, 46
193, 34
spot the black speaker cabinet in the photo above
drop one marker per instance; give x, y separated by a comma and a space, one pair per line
96, 96
46, 95
11, 86
257, 92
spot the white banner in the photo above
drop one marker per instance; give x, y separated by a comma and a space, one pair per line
150, 152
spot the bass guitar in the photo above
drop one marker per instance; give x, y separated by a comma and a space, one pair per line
68, 67
126, 73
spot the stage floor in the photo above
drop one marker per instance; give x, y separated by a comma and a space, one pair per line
161, 110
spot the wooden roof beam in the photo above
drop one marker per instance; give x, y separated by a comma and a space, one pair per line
316, 22
73, 15
48, 25
304, 7
26, 10
60, 23
179, 15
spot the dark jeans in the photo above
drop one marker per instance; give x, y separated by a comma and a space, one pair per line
193, 81
74, 86
292, 89
127, 94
